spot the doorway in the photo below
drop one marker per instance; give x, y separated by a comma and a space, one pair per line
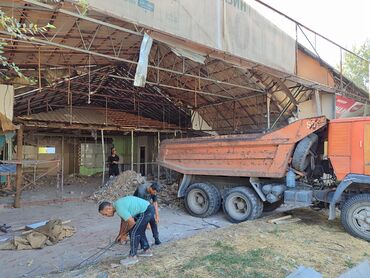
142, 161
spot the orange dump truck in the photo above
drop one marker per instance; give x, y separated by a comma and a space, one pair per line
311, 162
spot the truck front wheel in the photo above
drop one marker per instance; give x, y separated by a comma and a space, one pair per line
241, 204
202, 199
355, 216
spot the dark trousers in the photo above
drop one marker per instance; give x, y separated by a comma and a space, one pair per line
113, 170
154, 227
137, 233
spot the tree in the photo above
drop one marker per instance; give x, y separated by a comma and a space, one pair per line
25, 32
357, 69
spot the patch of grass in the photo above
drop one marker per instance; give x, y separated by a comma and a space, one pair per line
366, 254
276, 231
228, 262
349, 263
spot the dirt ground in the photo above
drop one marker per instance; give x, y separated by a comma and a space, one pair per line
92, 232
250, 249
74, 188
193, 247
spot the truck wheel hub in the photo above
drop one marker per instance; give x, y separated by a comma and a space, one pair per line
239, 204
199, 199
362, 218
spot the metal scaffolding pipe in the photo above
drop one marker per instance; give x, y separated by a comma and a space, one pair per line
132, 150
103, 149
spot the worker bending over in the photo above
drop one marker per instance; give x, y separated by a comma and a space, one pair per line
135, 215
149, 192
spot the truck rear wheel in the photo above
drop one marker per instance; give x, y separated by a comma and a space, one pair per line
241, 204
202, 199
355, 216
302, 154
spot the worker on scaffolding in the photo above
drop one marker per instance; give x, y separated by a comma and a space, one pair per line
148, 191
113, 161
135, 214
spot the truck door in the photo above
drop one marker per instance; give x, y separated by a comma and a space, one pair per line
366, 146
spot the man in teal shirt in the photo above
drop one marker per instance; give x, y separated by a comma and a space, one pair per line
135, 215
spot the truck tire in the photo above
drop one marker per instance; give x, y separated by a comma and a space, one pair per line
241, 204
302, 157
268, 207
202, 199
355, 216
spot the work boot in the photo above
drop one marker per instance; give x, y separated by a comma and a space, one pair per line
129, 261
157, 241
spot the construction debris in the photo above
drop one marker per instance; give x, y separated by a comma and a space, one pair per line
49, 234
276, 220
50, 181
126, 184
168, 196
120, 186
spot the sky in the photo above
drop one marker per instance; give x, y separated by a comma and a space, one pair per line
345, 22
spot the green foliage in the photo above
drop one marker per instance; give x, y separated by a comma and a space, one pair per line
25, 31
21, 31
357, 69
84, 4
349, 263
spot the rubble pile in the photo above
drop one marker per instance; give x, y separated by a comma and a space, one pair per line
120, 186
168, 196
126, 184
75, 179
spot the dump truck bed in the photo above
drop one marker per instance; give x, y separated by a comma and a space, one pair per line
252, 155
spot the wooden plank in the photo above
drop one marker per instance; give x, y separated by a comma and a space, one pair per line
272, 221
19, 174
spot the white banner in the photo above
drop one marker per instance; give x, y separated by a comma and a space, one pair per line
227, 25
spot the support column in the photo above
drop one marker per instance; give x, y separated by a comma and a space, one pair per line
268, 111
103, 150
158, 143
62, 176
19, 172
317, 103
132, 150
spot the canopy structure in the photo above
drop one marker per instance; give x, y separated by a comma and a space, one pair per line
90, 60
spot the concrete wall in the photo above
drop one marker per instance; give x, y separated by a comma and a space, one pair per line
227, 25
309, 108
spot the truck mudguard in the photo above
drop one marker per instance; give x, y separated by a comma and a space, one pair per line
347, 181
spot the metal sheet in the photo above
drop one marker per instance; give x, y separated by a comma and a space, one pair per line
227, 25
262, 155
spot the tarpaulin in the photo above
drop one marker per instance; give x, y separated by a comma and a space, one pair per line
6, 124
7, 168
232, 26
